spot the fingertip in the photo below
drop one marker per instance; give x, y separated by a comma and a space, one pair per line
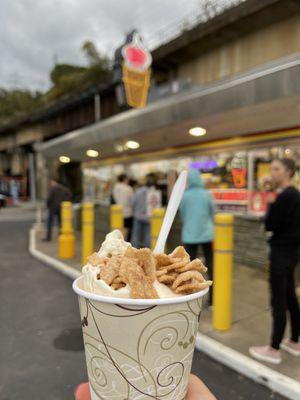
82, 392
197, 388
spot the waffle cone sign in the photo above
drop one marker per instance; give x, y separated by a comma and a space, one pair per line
136, 72
136, 86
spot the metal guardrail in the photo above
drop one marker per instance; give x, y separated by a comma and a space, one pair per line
208, 9
171, 88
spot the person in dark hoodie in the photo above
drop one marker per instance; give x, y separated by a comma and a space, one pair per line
57, 194
197, 214
283, 220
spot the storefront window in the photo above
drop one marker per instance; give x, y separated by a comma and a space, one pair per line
238, 180
262, 185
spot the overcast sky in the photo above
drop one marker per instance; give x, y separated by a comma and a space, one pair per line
36, 33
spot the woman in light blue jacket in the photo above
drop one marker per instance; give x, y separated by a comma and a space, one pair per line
197, 215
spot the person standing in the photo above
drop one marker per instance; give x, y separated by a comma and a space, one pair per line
283, 220
141, 218
197, 214
133, 183
123, 194
14, 191
57, 194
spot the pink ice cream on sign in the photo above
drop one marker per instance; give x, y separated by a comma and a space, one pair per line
135, 55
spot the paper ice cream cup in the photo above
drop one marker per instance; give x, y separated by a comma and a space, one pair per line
138, 349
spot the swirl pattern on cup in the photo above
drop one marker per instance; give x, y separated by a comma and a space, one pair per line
139, 352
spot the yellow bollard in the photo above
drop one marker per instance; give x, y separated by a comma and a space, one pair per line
223, 257
156, 223
66, 240
116, 217
87, 231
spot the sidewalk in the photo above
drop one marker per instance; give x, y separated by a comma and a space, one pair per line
21, 211
251, 311
51, 248
251, 319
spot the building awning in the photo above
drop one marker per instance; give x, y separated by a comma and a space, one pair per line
264, 99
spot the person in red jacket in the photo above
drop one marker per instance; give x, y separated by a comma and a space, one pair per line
283, 221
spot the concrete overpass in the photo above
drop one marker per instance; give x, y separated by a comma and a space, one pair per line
262, 99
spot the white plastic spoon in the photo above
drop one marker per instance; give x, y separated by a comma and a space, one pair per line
171, 211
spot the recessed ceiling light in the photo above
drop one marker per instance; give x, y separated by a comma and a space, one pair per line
92, 153
197, 131
132, 144
64, 159
287, 151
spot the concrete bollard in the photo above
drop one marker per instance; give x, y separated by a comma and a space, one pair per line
223, 259
116, 217
87, 231
66, 240
155, 224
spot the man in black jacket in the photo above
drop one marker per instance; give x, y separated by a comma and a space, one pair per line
57, 194
283, 220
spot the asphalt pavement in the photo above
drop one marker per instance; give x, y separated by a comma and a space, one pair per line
41, 346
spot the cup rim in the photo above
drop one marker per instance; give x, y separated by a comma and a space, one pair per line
135, 302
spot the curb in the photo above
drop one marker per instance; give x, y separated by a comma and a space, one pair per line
52, 262
275, 381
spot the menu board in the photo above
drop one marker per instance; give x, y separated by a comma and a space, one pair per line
234, 200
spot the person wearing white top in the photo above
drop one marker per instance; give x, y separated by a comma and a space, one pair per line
123, 195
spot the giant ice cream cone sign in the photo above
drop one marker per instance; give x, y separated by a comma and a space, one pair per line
136, 72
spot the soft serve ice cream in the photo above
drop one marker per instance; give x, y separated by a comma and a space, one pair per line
120, 270
114, 245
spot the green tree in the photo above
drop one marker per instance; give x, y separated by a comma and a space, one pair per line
16, 102
99, 66
92, 54
66, 79
61, 71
